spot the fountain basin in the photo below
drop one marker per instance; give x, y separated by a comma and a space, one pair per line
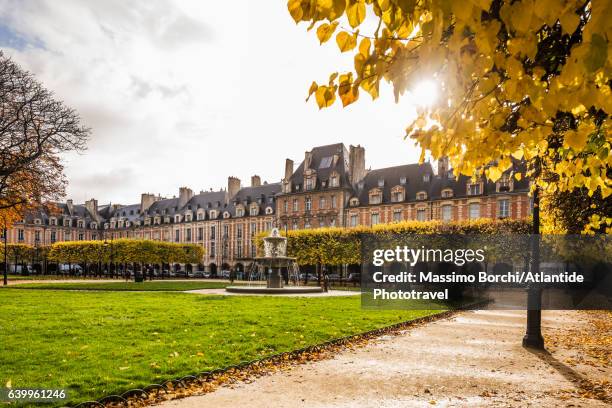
274, 291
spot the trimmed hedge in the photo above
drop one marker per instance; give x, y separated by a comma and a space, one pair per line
337, 245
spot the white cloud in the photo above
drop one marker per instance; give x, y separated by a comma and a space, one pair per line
189, 92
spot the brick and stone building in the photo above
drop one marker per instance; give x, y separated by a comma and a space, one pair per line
330, 187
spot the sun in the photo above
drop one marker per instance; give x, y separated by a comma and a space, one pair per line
424, 93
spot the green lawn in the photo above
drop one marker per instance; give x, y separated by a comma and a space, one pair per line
99, 343
159, 285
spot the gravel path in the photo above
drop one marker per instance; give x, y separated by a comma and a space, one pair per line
471, 360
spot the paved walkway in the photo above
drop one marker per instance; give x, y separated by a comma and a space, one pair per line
472, 360
322, 294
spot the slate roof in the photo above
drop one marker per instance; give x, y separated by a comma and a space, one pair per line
319, 154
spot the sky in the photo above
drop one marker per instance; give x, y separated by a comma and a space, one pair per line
187, 93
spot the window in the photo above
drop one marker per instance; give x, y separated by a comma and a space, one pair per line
20, 235
308, 184
375, 219
474, 189
503, 208
448, 193
354, 220
37, 236
187, 217
381, 182
213, 248
322, 203
239, 231
269, 210
447, 214
200, 234
504, 183
53, 221
239, 249
253, 229
177, 235
188, 237
177, 218
421, 214
53, 236
295, 205
212, 214
200, 215
474, 210
268, 225
375, 198
254, 210
295, 225
426, 178
326, 162
308, 203
253, 251
397, 196
225, 231
306, 224
403, 180
80, 236
334, 204
94, 236
321, 222
421, 195
397, 215
333, 181
285, 206
239, 212
332, 222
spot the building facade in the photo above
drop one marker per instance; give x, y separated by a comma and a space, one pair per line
330, 187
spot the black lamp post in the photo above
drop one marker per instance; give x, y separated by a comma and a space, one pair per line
5, 255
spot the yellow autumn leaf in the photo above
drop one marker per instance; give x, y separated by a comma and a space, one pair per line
355, 12
345, 41
494, 174
325, 31
325, 96
313, 89
574, 140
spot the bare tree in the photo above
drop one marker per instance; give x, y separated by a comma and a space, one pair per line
35, 130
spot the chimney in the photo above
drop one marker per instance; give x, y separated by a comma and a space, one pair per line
255, 181
92, 208
185, 194
307, 160
443, 166
233, 185
357, 169
146, 200
288, 169
70, 206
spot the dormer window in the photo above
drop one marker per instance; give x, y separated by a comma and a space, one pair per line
426, 177
239, 212
226, 214
37, 221
354, 202
334, 180
309, 184
450, 175
200, 215
473, 189
397, 194
253, 210
375, 196
157, 220
80, 223
269, 210
213, 214
421, 195
187, 217
93, 225
53, 221
504, 184
403, 180
447, 193
177, 218
381, 182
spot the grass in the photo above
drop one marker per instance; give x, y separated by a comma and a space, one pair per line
125, 286
99, 343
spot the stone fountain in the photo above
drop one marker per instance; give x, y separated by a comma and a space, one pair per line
275, 258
